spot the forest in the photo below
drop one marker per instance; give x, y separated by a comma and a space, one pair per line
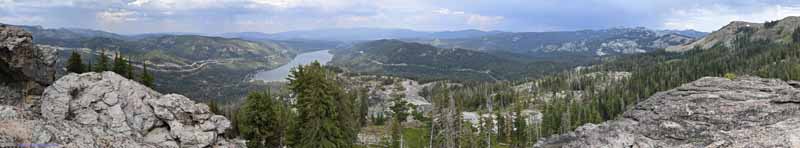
507, 110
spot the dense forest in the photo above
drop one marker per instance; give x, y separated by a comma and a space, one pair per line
508, 109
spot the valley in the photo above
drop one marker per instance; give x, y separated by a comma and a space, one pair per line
320, 80
281, 73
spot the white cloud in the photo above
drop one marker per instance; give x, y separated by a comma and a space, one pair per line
21, 19
446, 11
114, 16
714, 17
171, 5
481, 21
484, 22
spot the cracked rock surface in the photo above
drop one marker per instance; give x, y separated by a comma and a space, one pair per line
709, 112
25, 69
107, 110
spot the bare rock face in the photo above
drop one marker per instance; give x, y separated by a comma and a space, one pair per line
108, 110
710, 112
25, 69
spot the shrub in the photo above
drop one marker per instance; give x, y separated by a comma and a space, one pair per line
730, 76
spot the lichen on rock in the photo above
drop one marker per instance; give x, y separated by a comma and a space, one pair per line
709, 112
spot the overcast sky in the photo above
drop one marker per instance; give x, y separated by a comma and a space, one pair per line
217, 16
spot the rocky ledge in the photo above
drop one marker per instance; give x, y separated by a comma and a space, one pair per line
25, 69
710, 112
108, 110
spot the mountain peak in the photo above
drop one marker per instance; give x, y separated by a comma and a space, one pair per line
775, 31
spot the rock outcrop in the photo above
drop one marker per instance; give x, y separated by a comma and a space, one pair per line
25, 69
108, 110
92, 109
710, 112
779, 32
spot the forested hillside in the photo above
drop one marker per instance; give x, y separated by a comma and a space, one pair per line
427, 63
586, 42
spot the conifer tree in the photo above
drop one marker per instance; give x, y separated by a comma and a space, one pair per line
75, 64
519, 134
400, 110
88, 66
129, 68
264, 120
326, 118
396, 133
796, 35
102, 62
146, 78
363, 103
120, 65
501, 128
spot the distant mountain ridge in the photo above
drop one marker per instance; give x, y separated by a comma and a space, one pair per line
358, 34
603, 42
427, 63
775, 31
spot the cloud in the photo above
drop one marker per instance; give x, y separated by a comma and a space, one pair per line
484, 22
714, 17
113, 16
216, 16
21, 19
448, 12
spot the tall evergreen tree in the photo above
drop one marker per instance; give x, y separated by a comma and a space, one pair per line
264, 120
400, 109
400, 113
75, 64
88, 66
102, 62
363, 103
519, 134
796, 35
120, 65
146, 78
501, 128
325, 113
396, 133
129, 68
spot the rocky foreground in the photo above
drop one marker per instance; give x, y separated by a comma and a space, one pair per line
710, 112
92, 109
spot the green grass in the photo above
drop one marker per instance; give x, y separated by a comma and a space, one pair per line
416, 137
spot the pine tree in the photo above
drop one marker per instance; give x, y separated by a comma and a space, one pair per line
501, 128
88, 67
147, 79
400, 109
102, 62
520, 137
326, 118
396, 133
264, 120
796, 35
75, 64
120, 65
363, 103
129, 68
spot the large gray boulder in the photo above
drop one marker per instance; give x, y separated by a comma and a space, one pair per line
25, 69
710, 112
108, 110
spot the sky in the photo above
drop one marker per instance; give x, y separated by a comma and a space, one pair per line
270, 16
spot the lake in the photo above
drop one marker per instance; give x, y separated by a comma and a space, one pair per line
281, 73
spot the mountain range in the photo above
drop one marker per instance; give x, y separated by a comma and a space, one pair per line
226, 60
779, 31
358, 34
603, 42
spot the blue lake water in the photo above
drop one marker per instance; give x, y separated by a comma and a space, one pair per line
281, 73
